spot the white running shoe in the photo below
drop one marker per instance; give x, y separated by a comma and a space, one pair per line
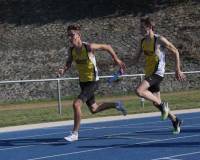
72, 137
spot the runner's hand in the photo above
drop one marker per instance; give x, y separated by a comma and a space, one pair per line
180, 76
121, 64
60, 72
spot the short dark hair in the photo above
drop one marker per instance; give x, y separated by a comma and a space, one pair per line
75, 27
148, 22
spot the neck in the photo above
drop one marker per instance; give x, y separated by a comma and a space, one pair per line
150, 35
78, 45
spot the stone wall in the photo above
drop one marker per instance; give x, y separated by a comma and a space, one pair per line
33, 39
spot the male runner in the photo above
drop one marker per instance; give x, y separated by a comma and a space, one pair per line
84, 57
154, 48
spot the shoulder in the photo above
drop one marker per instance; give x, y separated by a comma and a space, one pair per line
87, 46
160, 39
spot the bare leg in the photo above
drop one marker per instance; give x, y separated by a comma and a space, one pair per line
77, 114
171, 116
95, 108
142, 91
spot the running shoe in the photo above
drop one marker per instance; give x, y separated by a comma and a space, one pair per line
120, 107
164, 110
177, 126
72, 137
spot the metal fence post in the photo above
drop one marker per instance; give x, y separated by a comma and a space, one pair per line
59, 97
142, 99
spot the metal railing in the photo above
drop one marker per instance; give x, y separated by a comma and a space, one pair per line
76, 78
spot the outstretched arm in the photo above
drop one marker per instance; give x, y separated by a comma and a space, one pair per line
110, 50
179, 75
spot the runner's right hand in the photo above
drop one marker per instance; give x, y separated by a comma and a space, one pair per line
60, 72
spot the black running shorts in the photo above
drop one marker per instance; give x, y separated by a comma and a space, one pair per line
154, 82
87, 92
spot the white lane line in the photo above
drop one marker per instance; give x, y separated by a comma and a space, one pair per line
9, 148
92, 150
32, 136
178, 155
122, 136
31, 145
65, 154
109, 135
96, 128
171, 159
103, 127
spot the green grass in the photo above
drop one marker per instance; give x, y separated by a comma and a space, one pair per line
179, 100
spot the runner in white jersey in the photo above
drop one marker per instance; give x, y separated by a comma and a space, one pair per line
154, 46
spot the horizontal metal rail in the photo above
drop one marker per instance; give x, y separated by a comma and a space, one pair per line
76, 78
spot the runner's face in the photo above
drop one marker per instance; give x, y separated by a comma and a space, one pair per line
73, 36
145, 30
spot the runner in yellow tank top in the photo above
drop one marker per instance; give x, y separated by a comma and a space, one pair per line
151, 59
153, 46
83, 55
84, 65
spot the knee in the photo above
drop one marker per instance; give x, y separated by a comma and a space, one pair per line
93, 110
76, 104
138, 92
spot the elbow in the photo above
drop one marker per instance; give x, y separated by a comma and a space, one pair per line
176, 51
108, 47
173, 50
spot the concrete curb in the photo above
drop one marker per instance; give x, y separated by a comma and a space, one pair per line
91, 120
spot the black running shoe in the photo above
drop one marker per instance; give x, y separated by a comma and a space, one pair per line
177, 126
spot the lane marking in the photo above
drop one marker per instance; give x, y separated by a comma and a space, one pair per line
9, 148
92, 150
178, 155
95, 128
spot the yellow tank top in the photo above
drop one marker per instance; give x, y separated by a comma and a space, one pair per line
84, 65
151, 59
